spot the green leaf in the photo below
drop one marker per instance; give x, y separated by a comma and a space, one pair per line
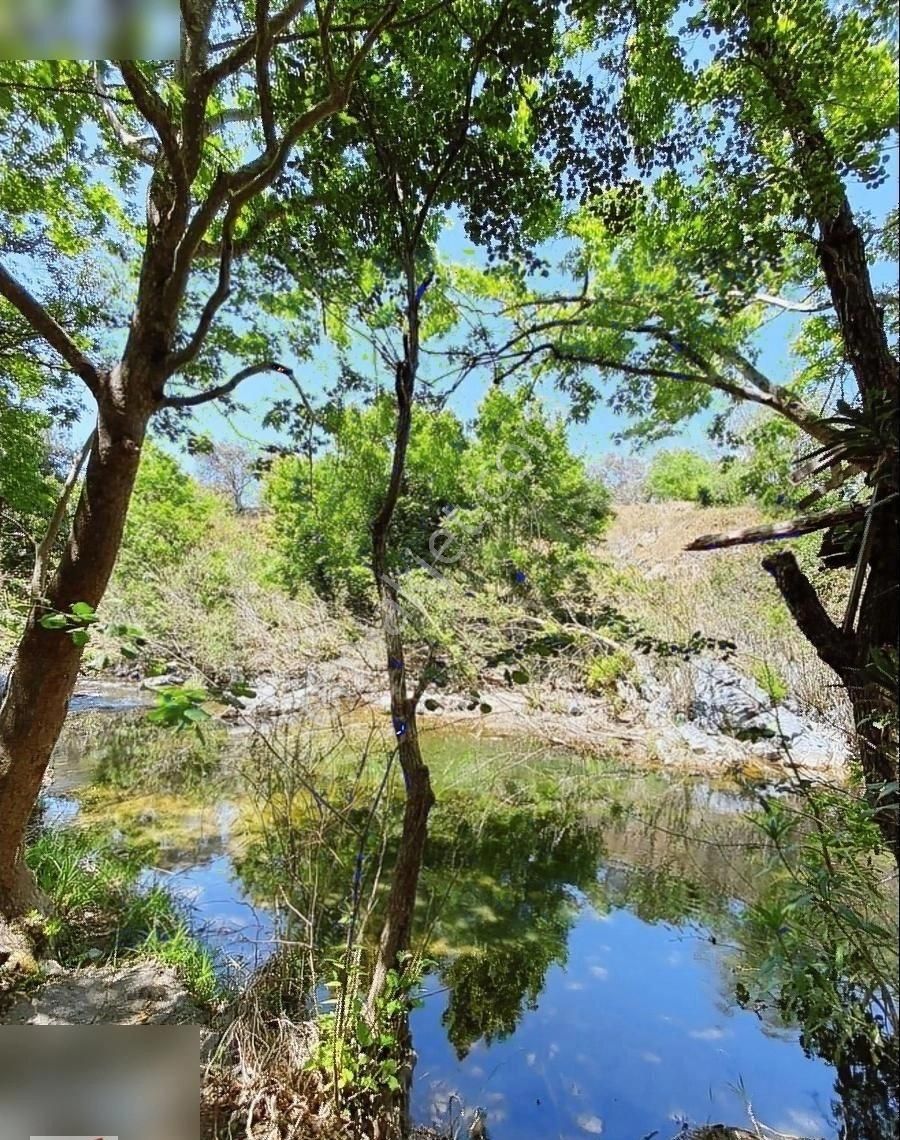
195, 715
54, 621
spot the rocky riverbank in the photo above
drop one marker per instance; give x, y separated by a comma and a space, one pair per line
701, 715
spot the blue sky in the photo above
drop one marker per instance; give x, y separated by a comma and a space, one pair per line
592, 439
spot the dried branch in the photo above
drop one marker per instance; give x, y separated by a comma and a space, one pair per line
230, 115
143, 147
770, 532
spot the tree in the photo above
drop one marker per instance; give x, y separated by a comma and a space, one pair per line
684, 475
323, 509
207, 136
676, 274
508, 494
533, 507
231, 469
445, 117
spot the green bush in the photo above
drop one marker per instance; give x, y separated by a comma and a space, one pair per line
603, 672
535, 508
687, 476
323, 511
28, 488
771, 681
508, 502
169, 513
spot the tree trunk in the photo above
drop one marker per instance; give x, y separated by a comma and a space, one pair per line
850, 655
395, 934
46, 663
873, 695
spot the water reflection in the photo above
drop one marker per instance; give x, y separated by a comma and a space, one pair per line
582, 949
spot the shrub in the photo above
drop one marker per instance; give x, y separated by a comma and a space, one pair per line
770, 680
323, 511
603, 672
169, 513
690, 477
509, 503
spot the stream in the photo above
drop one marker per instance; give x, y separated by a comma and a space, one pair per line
580, 979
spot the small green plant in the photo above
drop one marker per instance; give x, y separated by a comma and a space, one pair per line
179, 706
770, 681
360, 1054
603, 672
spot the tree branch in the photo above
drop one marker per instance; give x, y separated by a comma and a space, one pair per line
255, 176
54, 334
144, 147
218, 297
44, 547
155, 112
228, 387
790, 306
263, 84
230, 115
833, 646
769, 532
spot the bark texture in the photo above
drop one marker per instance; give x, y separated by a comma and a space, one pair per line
46, 664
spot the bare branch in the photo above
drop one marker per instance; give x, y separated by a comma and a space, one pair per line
155, 112
228, 387
230, 115
143, 147
769, 532
54, 334
789, 306
45, 546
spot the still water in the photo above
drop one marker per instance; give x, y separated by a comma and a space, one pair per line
580, 979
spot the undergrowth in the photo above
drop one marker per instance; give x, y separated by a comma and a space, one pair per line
101, 912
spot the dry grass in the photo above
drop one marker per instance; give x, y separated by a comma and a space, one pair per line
219, 609
648, 574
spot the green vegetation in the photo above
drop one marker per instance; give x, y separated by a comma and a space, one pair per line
380, 238
98, 905
604, 671
688, 476
508, 498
